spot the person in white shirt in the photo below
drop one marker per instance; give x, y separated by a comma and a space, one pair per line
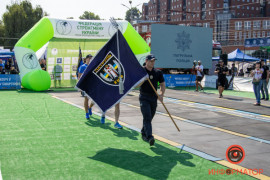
257, 82
199, 75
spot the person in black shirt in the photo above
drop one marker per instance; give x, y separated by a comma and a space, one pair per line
7, 67
148, 97
222, 71
13, 70
43, 64
2, 71
265, 80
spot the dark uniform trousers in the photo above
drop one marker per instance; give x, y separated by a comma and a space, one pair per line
148, 104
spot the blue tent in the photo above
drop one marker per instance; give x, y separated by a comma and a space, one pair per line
238, 55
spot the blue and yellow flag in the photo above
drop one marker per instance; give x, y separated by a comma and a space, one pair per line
100, 81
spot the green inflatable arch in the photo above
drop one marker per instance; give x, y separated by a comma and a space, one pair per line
33, 77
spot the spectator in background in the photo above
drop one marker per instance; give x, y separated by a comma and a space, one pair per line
241, 72
234, 70
265, 80
43, 64
2, 71
13, 70
7, 67
257, 82
1, 62
16, 65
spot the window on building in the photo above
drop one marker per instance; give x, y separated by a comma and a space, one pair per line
217, 5
207, 25
252, 8
238, 25
259, 34
266, 24
240, 35
209, 5
263, 34
245, 35
268, 34
209, 12
247, 25
249, 34
254, 34
238, 7
247, 7
235, 35
256, 25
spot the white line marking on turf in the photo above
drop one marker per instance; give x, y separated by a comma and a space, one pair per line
0, 173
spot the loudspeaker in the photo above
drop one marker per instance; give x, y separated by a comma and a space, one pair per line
224, 57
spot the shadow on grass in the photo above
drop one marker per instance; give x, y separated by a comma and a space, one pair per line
54, 90
23, 90
158, 166
95, 122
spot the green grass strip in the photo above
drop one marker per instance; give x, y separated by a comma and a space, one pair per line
45, 138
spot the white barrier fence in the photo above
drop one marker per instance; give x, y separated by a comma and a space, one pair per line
239, 83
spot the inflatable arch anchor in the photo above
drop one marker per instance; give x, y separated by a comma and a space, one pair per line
31, 74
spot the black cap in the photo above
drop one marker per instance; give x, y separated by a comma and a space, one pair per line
89, 56
220, 61
150, 57
262, 60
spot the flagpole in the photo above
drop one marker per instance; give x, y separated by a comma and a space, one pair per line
121, 85
163, 104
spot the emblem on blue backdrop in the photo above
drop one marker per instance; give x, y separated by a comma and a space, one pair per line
183, 41
109, 70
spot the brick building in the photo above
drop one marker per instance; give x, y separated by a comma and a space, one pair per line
232, 20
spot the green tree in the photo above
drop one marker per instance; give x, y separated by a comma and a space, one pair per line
20, 18
133, 14
2, 33
260, 54
89, 16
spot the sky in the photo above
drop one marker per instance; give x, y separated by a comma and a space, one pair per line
75, 8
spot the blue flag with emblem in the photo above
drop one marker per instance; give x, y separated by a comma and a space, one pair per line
101, 79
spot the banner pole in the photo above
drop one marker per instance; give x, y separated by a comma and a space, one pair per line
121, 85
163, 105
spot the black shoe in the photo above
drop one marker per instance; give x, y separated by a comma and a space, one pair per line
151, 141
144, 138
262, 98
267, 99
257, 104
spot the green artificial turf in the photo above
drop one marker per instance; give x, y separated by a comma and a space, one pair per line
215, 91
45, 138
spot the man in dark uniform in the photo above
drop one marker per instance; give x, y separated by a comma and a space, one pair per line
265, 80
148, 97
222, 71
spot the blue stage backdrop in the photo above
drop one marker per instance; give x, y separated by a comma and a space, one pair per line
257, 42
10, 81
176, 80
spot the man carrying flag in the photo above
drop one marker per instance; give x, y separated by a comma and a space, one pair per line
148, 97
114, 70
